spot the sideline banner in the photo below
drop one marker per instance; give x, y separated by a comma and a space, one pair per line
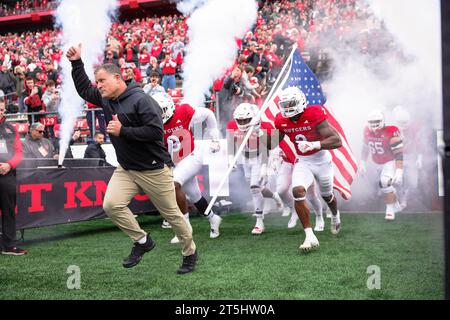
50, 196
54, 196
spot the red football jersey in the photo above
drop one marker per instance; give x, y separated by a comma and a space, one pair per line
178, 132
305, 128
379, 143
253, 142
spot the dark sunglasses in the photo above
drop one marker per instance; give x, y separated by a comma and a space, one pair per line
40, 131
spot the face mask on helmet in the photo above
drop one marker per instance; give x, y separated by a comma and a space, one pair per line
243, 114
376, 121
166, 104
243, 124
375, 125
292, 102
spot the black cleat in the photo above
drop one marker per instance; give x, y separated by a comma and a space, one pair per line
189, 263
137, 252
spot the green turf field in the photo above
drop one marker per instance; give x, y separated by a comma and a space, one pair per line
236, 265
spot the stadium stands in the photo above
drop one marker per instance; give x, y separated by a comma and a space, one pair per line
134, 42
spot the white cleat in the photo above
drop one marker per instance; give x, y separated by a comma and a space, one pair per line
336, 223
215, 222
320, 224
286, 212
309, 244
399, 206
166, 225
278, 201
390, 216
293, 220
259, 227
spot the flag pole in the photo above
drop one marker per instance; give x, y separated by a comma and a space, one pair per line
249, 132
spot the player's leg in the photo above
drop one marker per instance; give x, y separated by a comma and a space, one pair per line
252, 174
267, 187
316, 203
388, 190
324, 174
284, 181
273, 186
194, 195
183, 172
410, 183
302, 179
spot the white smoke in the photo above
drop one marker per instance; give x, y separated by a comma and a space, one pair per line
407, 72
361, 83
418, 31
186, 7
86, 22
213, 26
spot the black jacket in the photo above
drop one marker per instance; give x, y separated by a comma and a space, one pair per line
254, 59
94, 150
140, 145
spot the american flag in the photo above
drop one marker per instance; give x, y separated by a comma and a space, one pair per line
301, 76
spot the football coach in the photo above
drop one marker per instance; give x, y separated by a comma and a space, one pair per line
136, 131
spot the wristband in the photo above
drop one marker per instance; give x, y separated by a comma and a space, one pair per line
316, 145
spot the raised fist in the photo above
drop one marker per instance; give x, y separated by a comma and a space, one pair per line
74, 53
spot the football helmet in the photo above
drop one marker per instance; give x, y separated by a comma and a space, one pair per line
375, 120
402, 117
166, 104
243, 114
292, 102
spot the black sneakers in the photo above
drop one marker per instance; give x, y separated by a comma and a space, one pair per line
14, 251
188, 263
137, 252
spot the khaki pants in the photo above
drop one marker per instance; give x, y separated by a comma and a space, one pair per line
158, 185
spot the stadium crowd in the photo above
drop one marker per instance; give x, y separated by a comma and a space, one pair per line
152, 48
26, 6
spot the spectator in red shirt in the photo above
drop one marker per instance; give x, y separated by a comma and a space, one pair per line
130, 51
33, 100
157, 48
144, 59
168, 67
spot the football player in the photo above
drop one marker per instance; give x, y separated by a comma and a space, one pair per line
385, 145
313, 136
269, 180
178, 138
412, 154
245, 116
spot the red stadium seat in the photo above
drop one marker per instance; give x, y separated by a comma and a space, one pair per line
21, 127
49, 121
